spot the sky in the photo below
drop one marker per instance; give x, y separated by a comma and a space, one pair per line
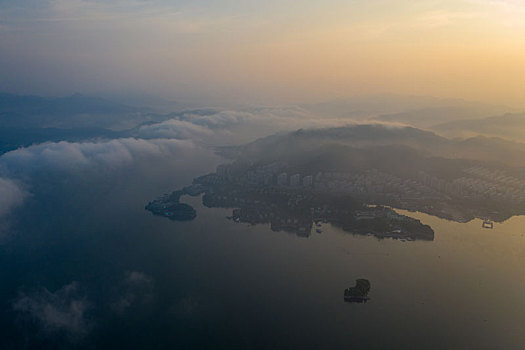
225, 51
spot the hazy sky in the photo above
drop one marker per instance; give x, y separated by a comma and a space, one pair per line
265, 51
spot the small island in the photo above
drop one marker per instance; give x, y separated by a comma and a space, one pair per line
358, 293
169, 205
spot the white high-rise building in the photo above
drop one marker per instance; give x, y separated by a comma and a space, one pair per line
308, 181
282, 179
295, 180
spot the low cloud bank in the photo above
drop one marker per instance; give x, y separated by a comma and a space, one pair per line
175, 129
71, 156
21, 169
233, 127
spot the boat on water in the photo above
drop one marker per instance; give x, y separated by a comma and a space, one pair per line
356, 299
358, 293
487, 224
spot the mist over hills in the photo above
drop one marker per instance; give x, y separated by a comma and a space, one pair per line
359, 136
403, 167
447, 117
419, 111
357, 122
428, 117
39, 111
27, 120
395, 159
510, 126
13, 138
401, 144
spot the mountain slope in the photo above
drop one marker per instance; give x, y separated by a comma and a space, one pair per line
402, 140
511, 126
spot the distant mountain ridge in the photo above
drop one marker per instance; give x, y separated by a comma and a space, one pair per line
418, 111
74, 111
428, 117
510, 125
73, 104
484, 149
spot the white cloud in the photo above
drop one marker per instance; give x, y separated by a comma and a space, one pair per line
28, 165
234, 126
87, 155
175, 129
11, 196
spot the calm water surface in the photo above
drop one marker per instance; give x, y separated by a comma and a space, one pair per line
221, 285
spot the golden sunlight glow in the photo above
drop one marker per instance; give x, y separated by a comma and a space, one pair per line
288, 51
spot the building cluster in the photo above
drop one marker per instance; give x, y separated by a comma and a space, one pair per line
269, 174
374, 183
481, 184
451, 188
493, 184
478, 184
295, 180
242, 172
268, 194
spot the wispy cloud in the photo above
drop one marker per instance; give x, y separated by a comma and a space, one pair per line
64, 310
137, 287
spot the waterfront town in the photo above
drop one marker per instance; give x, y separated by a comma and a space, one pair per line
478, 193
296, 203
360, 201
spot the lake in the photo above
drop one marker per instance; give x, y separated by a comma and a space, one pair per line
213, 283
